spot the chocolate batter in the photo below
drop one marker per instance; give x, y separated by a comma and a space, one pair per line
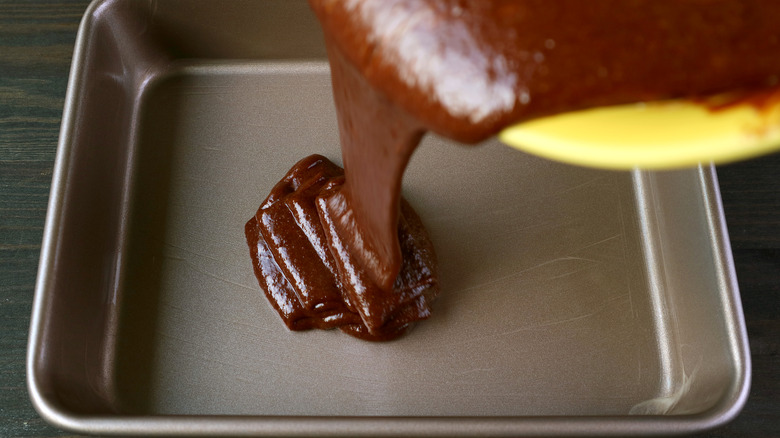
312, 277
466, 69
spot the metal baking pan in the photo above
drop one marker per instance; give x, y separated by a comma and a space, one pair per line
575, 301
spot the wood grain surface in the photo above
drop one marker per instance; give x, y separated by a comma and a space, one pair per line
36, 45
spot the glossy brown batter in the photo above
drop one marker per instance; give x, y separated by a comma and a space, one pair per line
310, 276
466, 69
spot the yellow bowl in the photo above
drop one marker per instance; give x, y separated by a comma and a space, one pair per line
656, 135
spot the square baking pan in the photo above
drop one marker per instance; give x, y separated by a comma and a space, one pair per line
574, 301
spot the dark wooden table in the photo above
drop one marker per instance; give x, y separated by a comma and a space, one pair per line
36, 44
